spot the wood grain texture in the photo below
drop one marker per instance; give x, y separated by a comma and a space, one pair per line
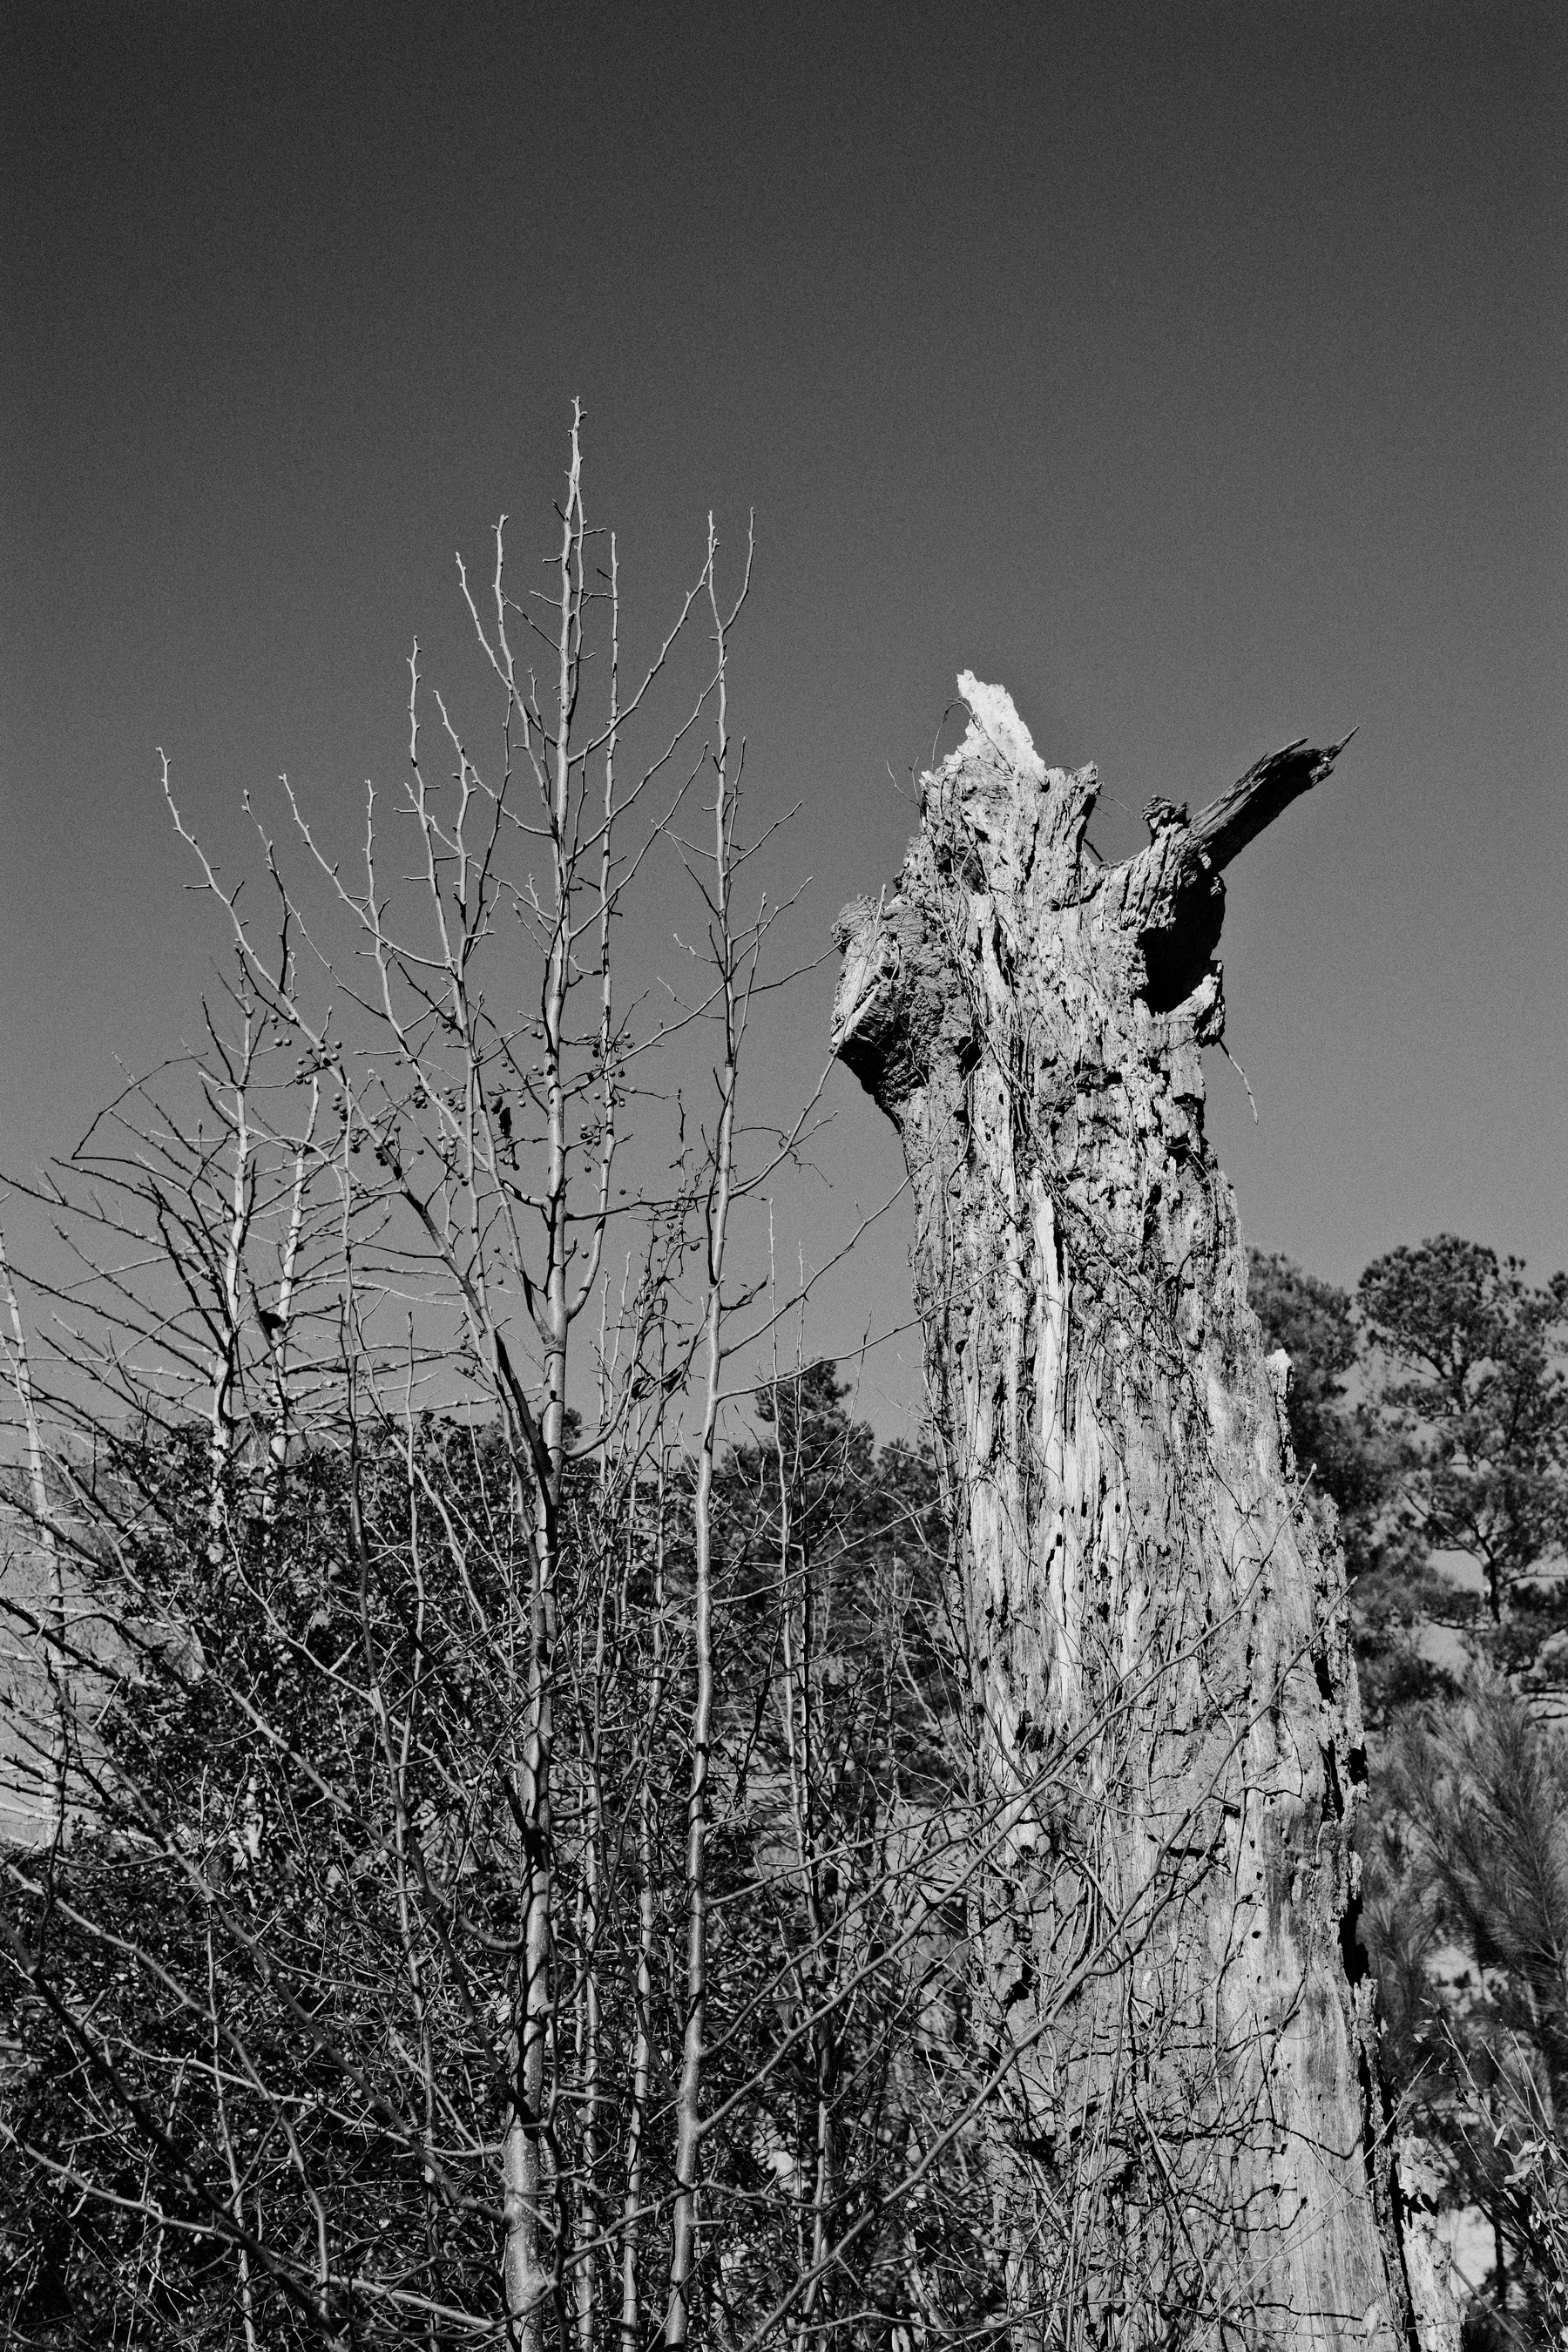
1191, 2134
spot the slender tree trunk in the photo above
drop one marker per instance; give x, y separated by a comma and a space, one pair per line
585, 2283
229, 1311
231, 2163
54, 1656
648, 1870
534, 2259
275, 1327
733, 990
1190, 2123
817, 1966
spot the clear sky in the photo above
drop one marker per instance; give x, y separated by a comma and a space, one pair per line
1196, 371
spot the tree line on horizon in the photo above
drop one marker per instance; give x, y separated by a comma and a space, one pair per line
230, 1970
1428, 1415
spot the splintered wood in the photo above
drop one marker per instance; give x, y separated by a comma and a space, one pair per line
1187, 2133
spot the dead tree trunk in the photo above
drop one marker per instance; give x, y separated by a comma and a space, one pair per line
1177, 2013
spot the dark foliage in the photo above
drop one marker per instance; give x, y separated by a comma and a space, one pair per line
1477, 1395
1466, 1913
1350, 1464
258, 1998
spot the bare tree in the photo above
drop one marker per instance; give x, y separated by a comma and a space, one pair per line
1191, 2116
387, 1392
387, 1133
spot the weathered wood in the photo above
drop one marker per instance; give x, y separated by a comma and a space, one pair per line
1192, 2136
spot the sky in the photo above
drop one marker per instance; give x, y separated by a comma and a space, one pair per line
1198, 372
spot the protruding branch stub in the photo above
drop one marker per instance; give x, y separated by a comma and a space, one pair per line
889, 1006
998, 825
1223, 830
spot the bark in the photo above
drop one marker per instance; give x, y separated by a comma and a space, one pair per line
228, 1311
54, 1653
647, 1921
1192, 2135
735, 970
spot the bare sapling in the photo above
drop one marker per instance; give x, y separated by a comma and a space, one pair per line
377, 1210
734, 959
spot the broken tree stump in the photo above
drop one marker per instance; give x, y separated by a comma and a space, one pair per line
1173, 2002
